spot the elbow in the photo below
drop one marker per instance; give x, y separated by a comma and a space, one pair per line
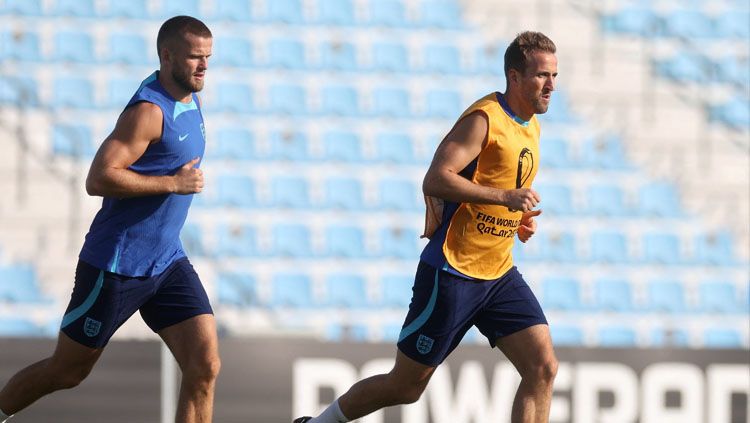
430, 187
93, 188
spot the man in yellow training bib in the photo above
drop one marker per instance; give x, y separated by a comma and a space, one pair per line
479, 198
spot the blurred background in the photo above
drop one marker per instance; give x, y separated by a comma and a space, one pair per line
322, 117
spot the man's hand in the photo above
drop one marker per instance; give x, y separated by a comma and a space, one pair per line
528, 225
522, 199
189, 180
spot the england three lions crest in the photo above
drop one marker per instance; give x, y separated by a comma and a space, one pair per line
424, 344
91, 327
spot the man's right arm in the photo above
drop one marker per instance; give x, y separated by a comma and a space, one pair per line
459, 148
109, 176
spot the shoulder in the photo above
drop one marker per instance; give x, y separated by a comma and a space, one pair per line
141, 118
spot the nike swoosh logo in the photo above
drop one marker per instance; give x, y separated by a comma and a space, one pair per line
182, 137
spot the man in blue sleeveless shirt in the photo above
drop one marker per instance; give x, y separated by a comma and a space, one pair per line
147, 170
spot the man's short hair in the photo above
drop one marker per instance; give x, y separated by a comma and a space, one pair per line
178, 26
518, 52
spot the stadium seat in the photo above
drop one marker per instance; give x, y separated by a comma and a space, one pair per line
288, 99
391, 102
613, 294
234, 143
235, 97
733, 25
72, 140
390, 57
289, 145
23, 7
23, 46
285, 11
556, 154
616, 336
561, 293
345, 332
18, 284
440, 14
714, 248
442, 103
291, 290
345, 241
399, 243
286, 53
128, 48
734, 113
638, 20
722, 338
171, 8
398, 194
685, 68
343, 146
344, 193
733, 70
234, 190
396, 290
720, 297
387, 13
557, 199
666, 296
608, 247
132, 9
232, 51
74, 46
338, 56
660, 200
605, 200
290, 191
442, 59
121, 90
346, 290
394, 147
490, 60
335, 12
339, 100
78, 8
558, 247
292, 240
191, 237
235, 240
18, 327
669, 338
605, 152
391, 331
661, 248
233, 10
566, 335
238, 289
688, 25
18, 91
73, 92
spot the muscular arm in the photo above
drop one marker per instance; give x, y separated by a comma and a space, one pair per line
109, 176
462, 145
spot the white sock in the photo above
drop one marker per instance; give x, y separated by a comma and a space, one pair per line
332, 414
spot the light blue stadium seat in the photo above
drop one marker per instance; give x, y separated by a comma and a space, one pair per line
734, 113
73, 92
131, 9
292, 290
685, 67
720, 297
606, 200
617, 337
714, 248
661, 248
442, 59
608, 247
394, 147
561, 293
79, 8
440, 13
613, 294
288, 145
234, 143
234, 10
232, 51
344, 146
335, 12
236, 240
286, 53
18, 327
567, 335
74, 46
345, 241
666, 296
733, 24
604, 153
391, 331
18, 284
390, 57
688, 24
557, 247
659, 199
344, 193
338, 56
292, 240
387, 13
72, 140
171, 8
192, 240
442, 103
235, 97
290, 191
556, 154
237, 288
23, 7
19, 91
345, 332
556, 198
346, 290
399, 243
236, 190
285, 11
639, 20
391, 102
396, 290
340, 100
398, 194
22, 46
128, 48
490, 60
733, 70
289, 99
121, 90
669, 338
721, 338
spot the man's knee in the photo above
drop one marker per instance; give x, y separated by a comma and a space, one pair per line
407, 393
69, 376
204, 369
544, 371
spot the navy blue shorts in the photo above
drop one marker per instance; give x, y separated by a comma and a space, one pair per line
445, 306
102, 301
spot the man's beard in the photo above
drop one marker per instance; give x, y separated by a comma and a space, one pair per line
184, 81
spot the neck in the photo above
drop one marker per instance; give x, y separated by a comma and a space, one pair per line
174, 89
515, 104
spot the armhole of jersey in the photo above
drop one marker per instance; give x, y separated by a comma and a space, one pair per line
143, 100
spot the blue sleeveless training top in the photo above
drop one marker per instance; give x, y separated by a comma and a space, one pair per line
140, 236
